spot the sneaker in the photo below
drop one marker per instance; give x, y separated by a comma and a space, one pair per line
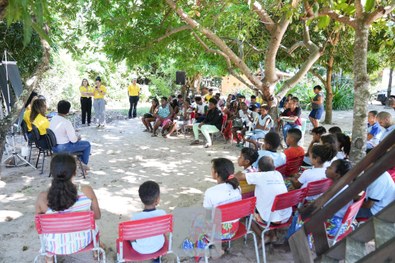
98, 126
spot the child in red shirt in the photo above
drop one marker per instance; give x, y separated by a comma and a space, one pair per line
294, 150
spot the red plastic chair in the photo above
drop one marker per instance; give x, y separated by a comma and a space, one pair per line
233, 211
137, 229
67, 223
281, 201
348, 218
392, 173
317, 187
282, 169
293, 166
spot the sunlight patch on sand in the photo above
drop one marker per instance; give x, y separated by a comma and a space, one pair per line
6, 215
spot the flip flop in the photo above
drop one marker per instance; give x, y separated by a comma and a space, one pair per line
195, 143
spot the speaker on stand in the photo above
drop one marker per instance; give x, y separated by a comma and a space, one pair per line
180, 77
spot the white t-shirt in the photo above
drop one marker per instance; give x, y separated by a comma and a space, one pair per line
63, 129
150, 244
263, 120
220, 194
200, 108
267, 186
244, 116
278, 158
343, 210
312, 175
381, 191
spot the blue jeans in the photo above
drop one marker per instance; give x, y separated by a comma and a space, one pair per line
289, 126
79, 146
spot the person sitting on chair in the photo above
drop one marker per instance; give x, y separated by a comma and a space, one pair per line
211, 124
38, 119
66, 138
63, 196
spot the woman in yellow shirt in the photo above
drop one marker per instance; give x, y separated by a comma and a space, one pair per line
99, 103
86, 102
37, 117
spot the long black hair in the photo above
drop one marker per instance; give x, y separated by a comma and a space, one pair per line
63, 193
225, 169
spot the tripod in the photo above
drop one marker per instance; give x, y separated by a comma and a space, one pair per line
14, 159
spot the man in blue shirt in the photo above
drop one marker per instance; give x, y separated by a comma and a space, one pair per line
374, 131
385, 120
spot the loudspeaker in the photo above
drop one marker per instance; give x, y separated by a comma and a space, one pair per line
180, 77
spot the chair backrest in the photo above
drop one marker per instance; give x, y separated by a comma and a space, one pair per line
237, 209
293, 166
318, 187
282, 169
51, 138
24, 130
352, 210
224, 120
289, 199
64, 223
35, 134
137, 229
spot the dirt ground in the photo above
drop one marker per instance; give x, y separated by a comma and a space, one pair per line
122, 158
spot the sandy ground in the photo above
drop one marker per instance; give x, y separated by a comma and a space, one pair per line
122, 158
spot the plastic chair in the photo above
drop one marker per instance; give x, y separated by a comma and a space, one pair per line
281, 201
223, 125
293, 166
137, 229
282, 169
51, 141
68, 223
348, 219
45, 150
317, 187
233, 211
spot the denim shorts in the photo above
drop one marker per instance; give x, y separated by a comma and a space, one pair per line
316, 113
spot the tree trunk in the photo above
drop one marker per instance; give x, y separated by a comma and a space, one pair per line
3, 5
328, 88
7, 122
389, 87
361, 91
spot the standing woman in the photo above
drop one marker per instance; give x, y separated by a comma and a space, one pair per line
317, 106
86, 101
37, 117
99, 103
63, 196
134, 93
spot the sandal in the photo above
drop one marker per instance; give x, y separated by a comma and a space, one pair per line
195, 143
207, 145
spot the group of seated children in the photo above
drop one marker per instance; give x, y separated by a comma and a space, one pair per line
264, 181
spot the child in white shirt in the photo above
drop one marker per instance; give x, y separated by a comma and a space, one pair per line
150, 195
247, 157
268, 183
272, 142
226, 191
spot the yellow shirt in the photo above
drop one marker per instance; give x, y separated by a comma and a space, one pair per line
134, 89
208, 97
26, 118
42, 124
86, 89
98, 93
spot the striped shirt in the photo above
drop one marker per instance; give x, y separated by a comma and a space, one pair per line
69, 243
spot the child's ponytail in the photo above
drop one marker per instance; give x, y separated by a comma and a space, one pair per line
225, 169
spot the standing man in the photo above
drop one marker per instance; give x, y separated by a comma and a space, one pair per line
134, 93
99, 104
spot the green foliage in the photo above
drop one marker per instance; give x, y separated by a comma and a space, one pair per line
11, 40
343, 96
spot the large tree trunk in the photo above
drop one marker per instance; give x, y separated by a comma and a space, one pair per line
389, 86
7, 122
328, 88
361, 91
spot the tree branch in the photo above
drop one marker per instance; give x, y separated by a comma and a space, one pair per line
228, 62
358, 8
264, 16
317, 75
239, 63
172, 32
380, 12
335, 16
